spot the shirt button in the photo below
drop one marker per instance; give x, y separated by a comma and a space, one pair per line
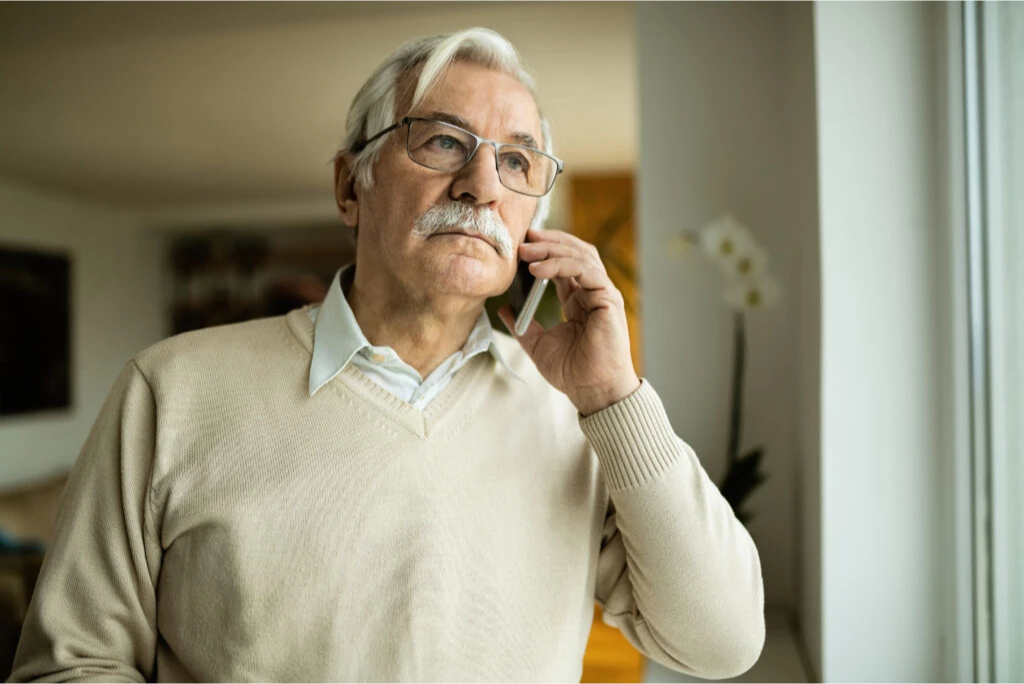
378, 358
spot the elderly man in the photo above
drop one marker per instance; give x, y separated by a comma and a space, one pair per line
382, 487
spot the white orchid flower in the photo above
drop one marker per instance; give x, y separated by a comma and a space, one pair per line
750, 263
681, 244
753, 294
723, 240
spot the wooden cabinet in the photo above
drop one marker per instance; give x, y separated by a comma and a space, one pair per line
609, 657
602, 213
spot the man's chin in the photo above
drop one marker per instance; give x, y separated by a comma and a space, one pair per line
473, 276
469, 245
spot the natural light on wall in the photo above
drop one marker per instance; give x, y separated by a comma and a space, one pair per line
999, 208
1005, 151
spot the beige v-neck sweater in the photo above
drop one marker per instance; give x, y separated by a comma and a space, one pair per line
223, 525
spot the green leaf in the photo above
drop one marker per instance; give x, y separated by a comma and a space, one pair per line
741, 479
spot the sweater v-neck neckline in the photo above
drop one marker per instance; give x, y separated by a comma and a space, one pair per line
424, 423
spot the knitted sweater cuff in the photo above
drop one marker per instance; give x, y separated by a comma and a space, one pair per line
633, 439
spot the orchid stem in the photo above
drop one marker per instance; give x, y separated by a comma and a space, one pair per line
738, 368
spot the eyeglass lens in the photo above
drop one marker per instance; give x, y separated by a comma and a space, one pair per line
443, 147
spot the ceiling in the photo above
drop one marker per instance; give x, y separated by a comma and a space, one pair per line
176, 105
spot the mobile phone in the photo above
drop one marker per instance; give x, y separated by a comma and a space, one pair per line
524, 296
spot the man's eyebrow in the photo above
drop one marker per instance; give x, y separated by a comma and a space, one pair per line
453, 119
520, 138
525, 139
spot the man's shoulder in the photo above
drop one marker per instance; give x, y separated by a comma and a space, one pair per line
213, 351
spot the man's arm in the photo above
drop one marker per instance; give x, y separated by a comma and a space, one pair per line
678, 574
93, 612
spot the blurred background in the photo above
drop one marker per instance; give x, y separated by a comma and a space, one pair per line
165, 167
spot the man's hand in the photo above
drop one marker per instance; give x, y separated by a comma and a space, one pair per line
586, 357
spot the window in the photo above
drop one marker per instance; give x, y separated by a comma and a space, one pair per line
994, 90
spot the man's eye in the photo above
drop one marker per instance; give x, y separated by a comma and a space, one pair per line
445, 142
515, 162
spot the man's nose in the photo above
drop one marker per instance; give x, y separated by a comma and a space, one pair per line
478, 180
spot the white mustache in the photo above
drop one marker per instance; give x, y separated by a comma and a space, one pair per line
456, 216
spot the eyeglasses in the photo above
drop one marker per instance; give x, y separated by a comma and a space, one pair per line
445, 147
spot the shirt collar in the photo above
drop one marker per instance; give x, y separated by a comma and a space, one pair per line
337, 336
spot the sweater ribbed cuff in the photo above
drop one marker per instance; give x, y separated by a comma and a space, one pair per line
633, 439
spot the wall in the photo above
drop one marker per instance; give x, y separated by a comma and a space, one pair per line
248, 104
1004, 133
882, 594
803, 174
713, 138
115, 309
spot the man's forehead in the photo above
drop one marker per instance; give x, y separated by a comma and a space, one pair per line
473, 97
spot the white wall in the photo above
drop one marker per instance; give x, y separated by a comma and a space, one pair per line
714, 137
1004, 132
116, 311
882, 593
803, 188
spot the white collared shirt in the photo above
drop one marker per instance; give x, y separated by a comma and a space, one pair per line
338, 340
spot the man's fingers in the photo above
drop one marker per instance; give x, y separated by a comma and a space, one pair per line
565, 287
558, 243
587, 275
538, 251
589, 300
556, 236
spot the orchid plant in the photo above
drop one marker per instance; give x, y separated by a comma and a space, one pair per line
749, 287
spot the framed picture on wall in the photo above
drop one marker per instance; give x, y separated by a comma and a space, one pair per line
229, 275
35, 344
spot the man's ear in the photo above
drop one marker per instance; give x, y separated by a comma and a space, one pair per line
345, 189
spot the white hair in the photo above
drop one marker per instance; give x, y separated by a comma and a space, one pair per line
373, 108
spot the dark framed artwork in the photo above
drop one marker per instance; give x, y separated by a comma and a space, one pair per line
229, 275
35, 331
